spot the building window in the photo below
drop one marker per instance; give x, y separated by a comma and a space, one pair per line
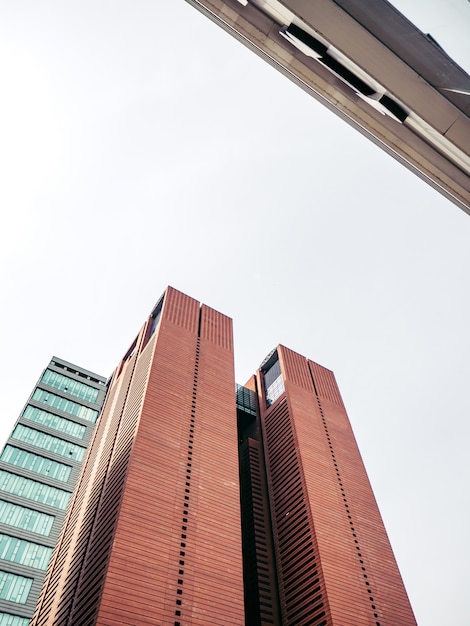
273, 381
14, 588
33, 490
26, 519
24, 552
48, 442
156, 315
70, 386
154, 321
35, 463
61, 424
67, 406
6, 619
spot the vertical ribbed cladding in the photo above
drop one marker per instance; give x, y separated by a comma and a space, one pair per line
215, 572
181, 310
325, 383
260, 580
259, 563
302, 597
188, 523
301, 585
216, 328
341, 584
254, 528
66, 566
362, 577
213, 587
347, 526
294, 368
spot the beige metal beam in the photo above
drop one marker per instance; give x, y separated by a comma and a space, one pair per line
400, 65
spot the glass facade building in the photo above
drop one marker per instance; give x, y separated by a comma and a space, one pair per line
39, 467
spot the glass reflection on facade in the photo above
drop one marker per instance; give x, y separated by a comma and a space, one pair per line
26, 519
273, 382
48, 442
24, 552
35, 463
73, 387
14, 588
39, 466
6, 619
33, 490
54, 421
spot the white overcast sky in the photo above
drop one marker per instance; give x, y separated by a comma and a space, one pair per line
141, 146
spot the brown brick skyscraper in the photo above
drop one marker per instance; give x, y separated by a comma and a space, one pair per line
174, 524
153, 535
335, 565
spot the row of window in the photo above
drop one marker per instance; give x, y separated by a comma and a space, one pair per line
78, 372
71, 386
68, 406
47, 442
66, 426
26, 519
13, 620
35, 463
33, 490
24, 552
14, 588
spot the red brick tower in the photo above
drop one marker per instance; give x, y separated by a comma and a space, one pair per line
153, 535
335, 565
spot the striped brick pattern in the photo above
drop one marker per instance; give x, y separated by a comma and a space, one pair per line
294, 369
300, 582
325, 383
261, 601
216, 328
180, 310
316, 474
155, 532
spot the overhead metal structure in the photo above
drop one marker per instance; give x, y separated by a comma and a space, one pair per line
371, 66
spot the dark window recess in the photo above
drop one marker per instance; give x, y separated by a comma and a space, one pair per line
395, 109
332, 64
306, 39
156, 314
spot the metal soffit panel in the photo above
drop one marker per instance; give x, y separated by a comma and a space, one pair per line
423, 126
421, 52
